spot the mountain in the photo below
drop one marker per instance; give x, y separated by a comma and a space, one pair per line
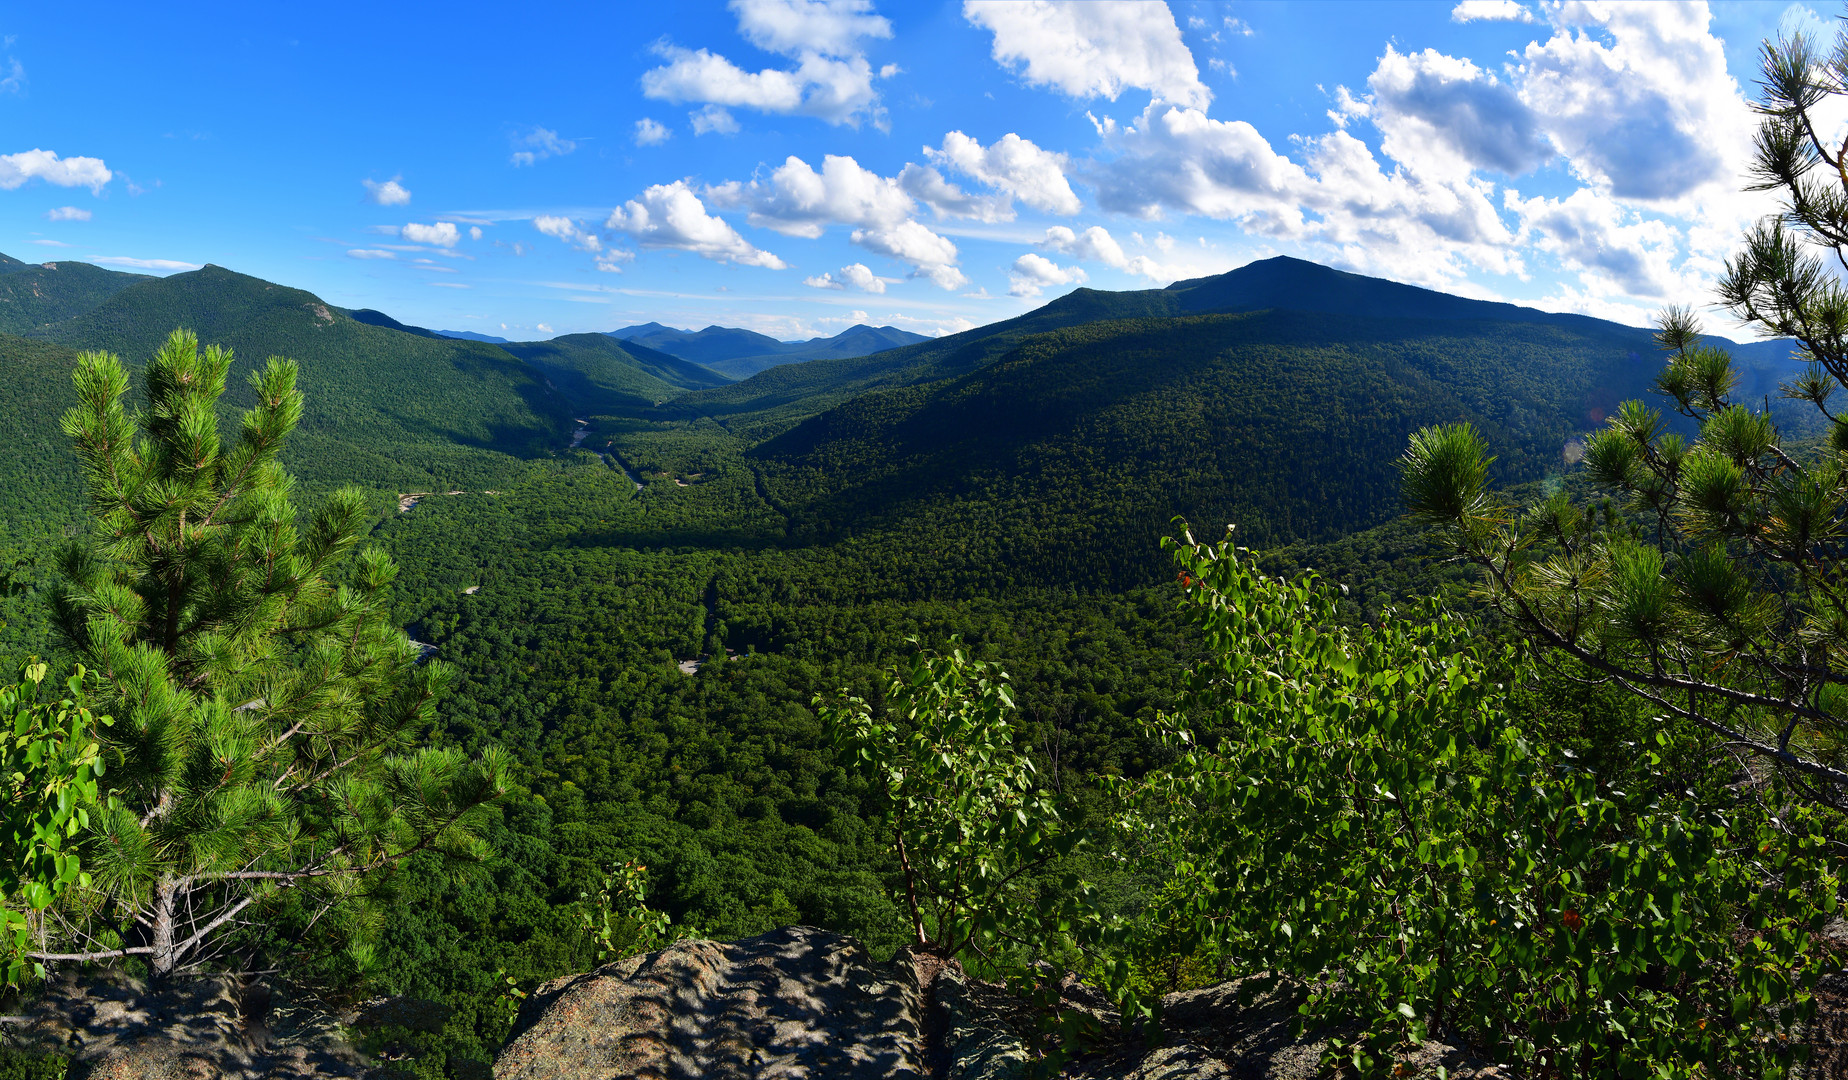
741, 353
603, 374
773, 399
379, 318
470, 335
390, 407
34, 295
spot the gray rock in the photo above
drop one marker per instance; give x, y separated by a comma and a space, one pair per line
120, 1028
793, 1004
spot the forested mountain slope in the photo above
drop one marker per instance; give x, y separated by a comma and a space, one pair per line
33, 295
387, 408
768, 402
1067, 457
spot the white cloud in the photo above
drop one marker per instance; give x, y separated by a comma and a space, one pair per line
1491, 10
1594, 235
569, 231
442, 234
539, 144
1094, 244
1014, 165
944, 277
1179, 159
1033, 273
1093, 48
852, 276
909, 241
15, 80
370, 253
16, 169
713, 120
832, 79
611, 260
824, 27
389, 193
168, 265
1444, 116
67, 213
672, 216
945, 199
798, 201
650, 133
474, 232
1652, 116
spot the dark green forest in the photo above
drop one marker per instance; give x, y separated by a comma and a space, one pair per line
645, 573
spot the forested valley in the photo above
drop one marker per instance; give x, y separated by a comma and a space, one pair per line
646, 583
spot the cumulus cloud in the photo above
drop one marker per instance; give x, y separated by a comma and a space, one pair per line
1445, 116
796, 200
539, 144
713, 120
832, 79
672, 216
370, 253
1094, 244
1591, 233
67, 213
474, 232
852, 276
932, 256
1033, 273
945, 199
569, 231
443, 234
794, 27
1182, 160
1093, 48
1491, 11
1014, 165
389, 193
1654, 115
650, 133
17, 169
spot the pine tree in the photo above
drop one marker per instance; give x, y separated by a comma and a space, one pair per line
269, 719
1722, 596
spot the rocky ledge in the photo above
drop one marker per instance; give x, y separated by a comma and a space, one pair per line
807, 1004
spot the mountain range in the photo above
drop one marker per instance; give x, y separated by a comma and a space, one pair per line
743, 353
1277, 394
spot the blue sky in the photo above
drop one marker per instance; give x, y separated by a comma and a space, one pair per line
796, 166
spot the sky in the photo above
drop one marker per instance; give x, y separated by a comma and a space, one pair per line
799, 166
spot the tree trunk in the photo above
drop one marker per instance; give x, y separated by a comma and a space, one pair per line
166, 895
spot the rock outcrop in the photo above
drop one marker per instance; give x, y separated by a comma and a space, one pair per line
807, 1004
793, 1004
207, 1028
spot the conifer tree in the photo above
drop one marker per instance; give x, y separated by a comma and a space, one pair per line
269, 717
1722, 596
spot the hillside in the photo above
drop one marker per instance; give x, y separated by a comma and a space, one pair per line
740, 354
33, 296
1067, 457
771, 401
387, 408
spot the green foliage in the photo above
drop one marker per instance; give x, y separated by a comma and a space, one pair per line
268, 719
49, 767
1372, 825
967, 820
619, 921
